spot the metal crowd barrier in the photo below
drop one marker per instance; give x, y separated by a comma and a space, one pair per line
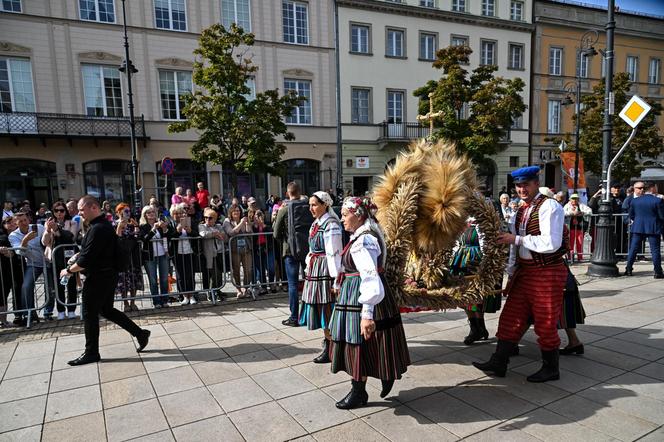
582, 238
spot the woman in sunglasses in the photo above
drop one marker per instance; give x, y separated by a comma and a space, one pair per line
131, 279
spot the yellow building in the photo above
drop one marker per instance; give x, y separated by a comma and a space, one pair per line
559, 28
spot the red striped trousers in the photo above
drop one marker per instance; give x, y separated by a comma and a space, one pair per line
536, 293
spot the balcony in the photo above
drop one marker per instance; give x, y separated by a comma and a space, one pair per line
402, 131
45, 125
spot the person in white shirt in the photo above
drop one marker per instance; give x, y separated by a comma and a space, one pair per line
537, 276
8, 209
366, 329
578, 215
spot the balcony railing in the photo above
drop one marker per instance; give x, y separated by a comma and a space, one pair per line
67, 125
403, 131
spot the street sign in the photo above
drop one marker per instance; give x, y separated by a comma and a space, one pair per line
167, 166
634, 111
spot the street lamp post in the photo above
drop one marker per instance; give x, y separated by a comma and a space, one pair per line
129, 69
603, 262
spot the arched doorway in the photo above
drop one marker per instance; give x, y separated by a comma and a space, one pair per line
108, 180
304, 172
25, 179
486, 174
186, 174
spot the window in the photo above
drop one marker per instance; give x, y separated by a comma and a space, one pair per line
395, 43
517, 123
516, 11
555, 61
360, 39
488, 52
251, 84
102, 91
516, 56
632, 68
427, 46
459, 5
16, 92
428, 3
173, 85
236, 11
10, 5
97, 10
395, 107
582, 70
301, 113
553, 126
171, 14
653, 70
108, 179
295, 22
458, 40
489, 7
514, 161
359, 106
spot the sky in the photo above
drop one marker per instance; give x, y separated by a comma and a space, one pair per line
648, 6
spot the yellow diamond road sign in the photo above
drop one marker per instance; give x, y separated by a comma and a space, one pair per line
634, 111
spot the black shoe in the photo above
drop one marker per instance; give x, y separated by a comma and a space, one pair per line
549, 370
627, 273
290, 322
143, 340
659, 276
576, 350
324, 357
85, 358
497, 364
477, 331
387, 387
20, 322
515, 351
357, 397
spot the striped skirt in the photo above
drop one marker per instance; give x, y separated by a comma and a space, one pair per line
317, 298
385, 355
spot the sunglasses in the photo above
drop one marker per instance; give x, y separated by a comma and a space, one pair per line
59, 210
209, 217
639, 188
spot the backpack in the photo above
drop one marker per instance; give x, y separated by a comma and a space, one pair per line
299, 222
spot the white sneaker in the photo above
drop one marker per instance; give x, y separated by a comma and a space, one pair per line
71, 315
185, 301
193, 301
61, 316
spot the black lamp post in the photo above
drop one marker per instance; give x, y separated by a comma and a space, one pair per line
603, 263
129, 69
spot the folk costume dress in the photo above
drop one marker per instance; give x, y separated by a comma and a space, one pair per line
322, 267
537, 274
364, 294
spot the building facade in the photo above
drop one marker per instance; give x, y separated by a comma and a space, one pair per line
63, 117
386, 49
559, 28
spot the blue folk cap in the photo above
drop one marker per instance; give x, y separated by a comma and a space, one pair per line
525, 174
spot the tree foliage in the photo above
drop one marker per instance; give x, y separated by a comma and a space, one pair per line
234, 130
647, 141
494, 103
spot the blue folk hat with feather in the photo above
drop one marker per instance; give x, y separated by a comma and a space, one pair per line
525, 174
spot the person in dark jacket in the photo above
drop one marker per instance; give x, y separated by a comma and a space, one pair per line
155, 233
10, 269
647, 215
97, 261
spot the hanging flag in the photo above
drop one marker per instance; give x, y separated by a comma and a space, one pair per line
568, 166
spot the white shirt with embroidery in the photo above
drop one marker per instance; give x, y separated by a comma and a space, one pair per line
365, 252
551, 222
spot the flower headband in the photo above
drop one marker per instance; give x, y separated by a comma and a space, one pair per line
360, 207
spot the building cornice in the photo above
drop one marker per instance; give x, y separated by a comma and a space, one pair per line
436, 14
10, 48
584, 26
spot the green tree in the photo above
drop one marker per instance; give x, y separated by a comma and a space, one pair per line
234, 130
494, 103
647, 141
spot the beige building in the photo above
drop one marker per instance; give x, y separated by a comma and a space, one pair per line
386, 51
639, 50
63, 105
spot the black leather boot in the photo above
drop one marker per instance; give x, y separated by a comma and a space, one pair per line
477, 331
497, 364
324, 357
357, 397
387, 387
549, 370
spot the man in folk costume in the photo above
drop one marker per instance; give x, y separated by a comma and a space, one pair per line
537, 275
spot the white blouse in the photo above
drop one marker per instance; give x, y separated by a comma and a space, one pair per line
332, 237
365, 252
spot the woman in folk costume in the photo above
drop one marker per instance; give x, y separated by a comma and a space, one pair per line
367, 334
323, 265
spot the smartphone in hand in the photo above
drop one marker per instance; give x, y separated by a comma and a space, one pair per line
34, 228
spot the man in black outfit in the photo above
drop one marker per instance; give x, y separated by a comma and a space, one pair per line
96, 261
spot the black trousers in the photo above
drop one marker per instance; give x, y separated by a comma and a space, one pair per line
98, 297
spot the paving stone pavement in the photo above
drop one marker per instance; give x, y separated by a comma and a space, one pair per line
233, 372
